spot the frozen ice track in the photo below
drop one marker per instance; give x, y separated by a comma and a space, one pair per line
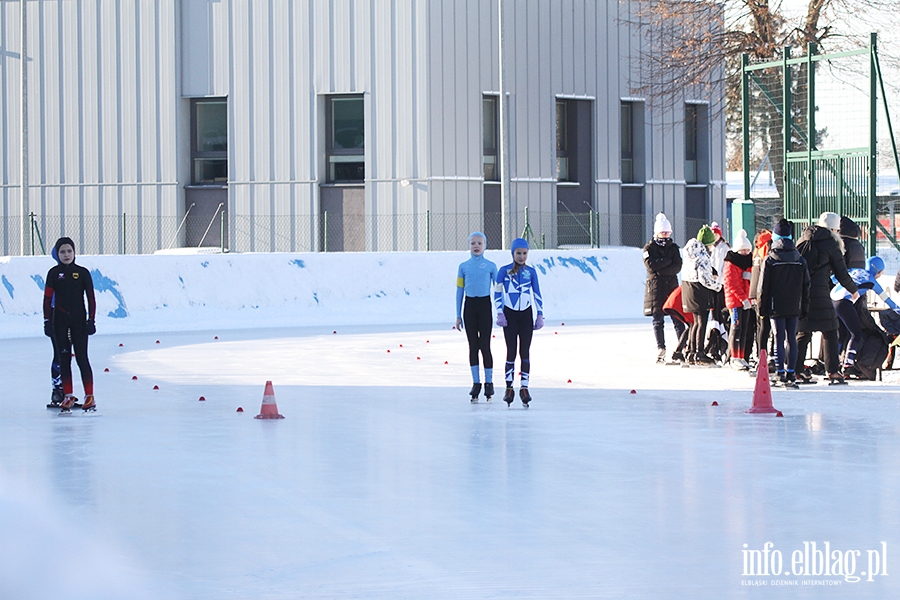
383, 481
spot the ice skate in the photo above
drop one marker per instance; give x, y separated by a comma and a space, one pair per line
509, 396
89, 404
525, 396
851, 371
56, 398
476, 389
488, 391
836, 379
661, 356
790, 382
804, 377
739, 364
677, 358
66, 405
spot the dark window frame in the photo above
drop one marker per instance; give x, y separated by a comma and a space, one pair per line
691, 142
332, 152
489, 151
564, 165
198, 157
626, 142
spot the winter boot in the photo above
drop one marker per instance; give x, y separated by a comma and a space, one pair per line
89, 404
509, 396
476, 389
488, 391
661, 355
524, 396
67, 404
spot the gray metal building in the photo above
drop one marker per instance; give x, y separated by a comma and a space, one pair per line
307, 125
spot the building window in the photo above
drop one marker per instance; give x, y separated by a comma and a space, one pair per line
627, 140
563, 171
490, 135
209, 141
345, 151
691, 124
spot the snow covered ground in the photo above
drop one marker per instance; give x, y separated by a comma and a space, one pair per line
383, 481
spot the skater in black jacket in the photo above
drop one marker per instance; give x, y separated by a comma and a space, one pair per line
662, 259
823, 249
67, 321
783, 296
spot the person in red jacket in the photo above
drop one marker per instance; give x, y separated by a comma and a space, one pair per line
68, 322
738, 266
675, 309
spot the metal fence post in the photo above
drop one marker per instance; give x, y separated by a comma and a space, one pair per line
222, 232
325, 231
427, 230
124, 224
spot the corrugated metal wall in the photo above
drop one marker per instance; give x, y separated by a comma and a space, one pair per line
109, 133
102, 108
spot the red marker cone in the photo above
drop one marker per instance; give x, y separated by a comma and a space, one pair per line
762, 394
269, 409
239, 409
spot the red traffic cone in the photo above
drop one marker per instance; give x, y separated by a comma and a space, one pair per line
762, 394
269, 409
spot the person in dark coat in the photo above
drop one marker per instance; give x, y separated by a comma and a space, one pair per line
854, 251
784, 297
662, 259
822, 247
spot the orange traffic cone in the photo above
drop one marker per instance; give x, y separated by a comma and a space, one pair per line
269, 409
762, 394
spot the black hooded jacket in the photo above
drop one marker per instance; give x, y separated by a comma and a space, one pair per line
823, 258
783, 282
663, 263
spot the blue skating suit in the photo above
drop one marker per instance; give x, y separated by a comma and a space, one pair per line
474, 279
518, 291
864, 280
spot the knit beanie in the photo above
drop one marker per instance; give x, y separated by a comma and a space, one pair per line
518, 243
848, 228
742, 242
60, 243
783, 229
716, 229
662, 224
705, 236
830, 220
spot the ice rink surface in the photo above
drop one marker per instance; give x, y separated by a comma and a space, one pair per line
383, 481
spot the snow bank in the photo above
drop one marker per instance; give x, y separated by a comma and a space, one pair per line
193, 292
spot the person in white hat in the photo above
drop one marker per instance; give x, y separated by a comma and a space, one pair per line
662, 259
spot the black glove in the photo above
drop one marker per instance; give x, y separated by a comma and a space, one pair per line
90, 328
48, 328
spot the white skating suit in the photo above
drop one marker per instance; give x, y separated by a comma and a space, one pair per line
518, 291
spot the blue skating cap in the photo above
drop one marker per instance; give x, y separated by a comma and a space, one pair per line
518, 243
874, 264
478, 233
